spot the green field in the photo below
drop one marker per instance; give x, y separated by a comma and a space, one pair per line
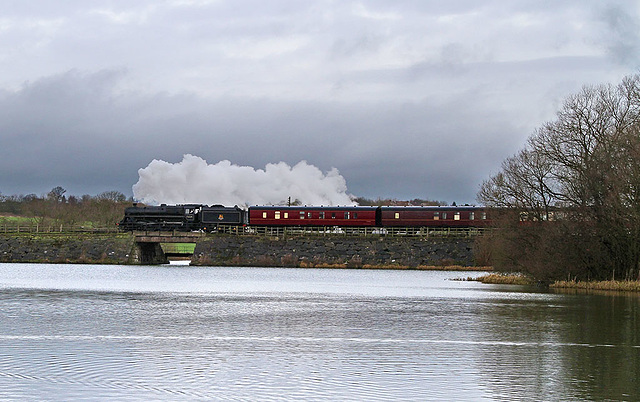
178, 248
16, 220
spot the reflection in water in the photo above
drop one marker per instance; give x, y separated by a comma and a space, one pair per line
585, 347
611, 324
180, 262
184, 333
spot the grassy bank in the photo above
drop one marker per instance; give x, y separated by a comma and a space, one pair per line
624, 286
502, 279
517, 279
307, 264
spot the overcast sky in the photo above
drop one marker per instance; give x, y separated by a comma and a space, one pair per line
415, 98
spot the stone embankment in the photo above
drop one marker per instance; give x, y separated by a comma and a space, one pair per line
76, 248
229, 250
351, 252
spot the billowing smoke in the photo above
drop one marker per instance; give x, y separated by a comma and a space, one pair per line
195, 181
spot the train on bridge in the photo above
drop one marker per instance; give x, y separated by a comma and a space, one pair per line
197, 217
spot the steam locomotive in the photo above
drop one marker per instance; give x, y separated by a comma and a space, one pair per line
197, 217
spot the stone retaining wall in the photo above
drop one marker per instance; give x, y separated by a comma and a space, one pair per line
327, 251
229, 250
85, 248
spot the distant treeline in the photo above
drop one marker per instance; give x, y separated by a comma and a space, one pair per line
102, 210
395, 202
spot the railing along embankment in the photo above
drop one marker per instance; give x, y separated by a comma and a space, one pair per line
13, 228
347, 231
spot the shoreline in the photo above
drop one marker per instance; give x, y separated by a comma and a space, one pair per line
518, 279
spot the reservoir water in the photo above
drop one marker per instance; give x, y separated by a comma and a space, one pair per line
91, 332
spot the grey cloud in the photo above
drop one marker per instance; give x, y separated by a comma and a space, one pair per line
94, 139
622, 34
406, 99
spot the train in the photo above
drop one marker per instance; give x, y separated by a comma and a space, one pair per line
210, 218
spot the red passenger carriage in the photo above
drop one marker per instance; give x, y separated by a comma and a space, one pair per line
313, 216
449, 216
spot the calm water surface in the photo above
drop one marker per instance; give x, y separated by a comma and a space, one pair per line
87, 332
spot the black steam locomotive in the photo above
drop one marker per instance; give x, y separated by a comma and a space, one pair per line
186, 217
196, 217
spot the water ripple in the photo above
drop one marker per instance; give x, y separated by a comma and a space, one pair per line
305, 339
168, 333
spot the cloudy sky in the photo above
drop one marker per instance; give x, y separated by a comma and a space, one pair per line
406, 98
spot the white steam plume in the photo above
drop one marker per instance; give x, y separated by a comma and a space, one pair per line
195, 181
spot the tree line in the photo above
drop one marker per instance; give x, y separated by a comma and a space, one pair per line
569, 201
419, 202
102, 210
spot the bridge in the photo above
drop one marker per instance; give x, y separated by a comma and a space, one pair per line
159, 247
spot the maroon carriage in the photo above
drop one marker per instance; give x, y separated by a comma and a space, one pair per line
448, 216
312, 216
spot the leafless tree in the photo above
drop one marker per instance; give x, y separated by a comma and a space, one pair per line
585, 164
115, 196
57, 194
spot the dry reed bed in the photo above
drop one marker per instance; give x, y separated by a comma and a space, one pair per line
517, 279
626, 286
503, 279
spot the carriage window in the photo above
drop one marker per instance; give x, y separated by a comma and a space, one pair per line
456, 216
355, 215
277, 214
333, 215
436, 216
264, 215
301, 214
397, 215
444, 215
472, 215
309, 215
322, 215
483, 215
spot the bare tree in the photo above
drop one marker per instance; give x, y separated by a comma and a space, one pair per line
586, 163
56, 194
115, 196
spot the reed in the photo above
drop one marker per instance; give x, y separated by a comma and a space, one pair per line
625, 286
504, 279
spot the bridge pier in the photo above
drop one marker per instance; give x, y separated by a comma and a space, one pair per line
150, 253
